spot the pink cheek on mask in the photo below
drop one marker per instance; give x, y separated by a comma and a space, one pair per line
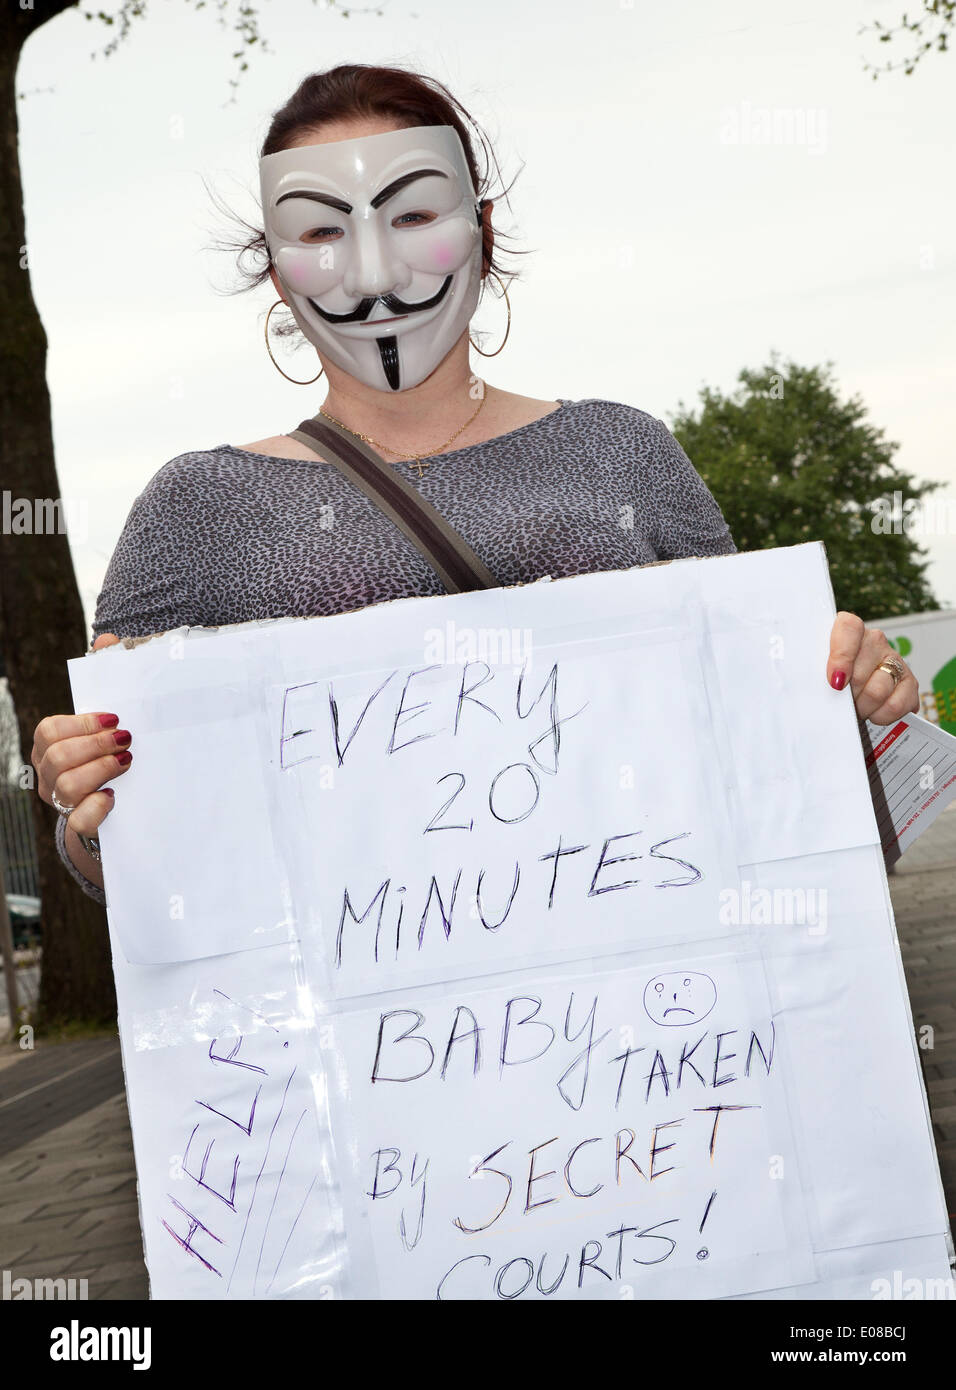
297, 276
444, 255
438, 250
307, 271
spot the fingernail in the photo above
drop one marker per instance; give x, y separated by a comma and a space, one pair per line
124, 759
122, 735
109, 721
838, 680
109, 791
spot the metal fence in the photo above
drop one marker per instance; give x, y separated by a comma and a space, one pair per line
18, 854
18, 862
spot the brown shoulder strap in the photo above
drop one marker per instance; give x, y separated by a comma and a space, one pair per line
452, 559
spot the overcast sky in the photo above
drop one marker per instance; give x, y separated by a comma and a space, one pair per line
670, 246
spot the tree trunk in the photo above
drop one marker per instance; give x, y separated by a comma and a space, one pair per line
41, 616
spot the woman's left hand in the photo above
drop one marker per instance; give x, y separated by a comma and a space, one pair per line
855, 655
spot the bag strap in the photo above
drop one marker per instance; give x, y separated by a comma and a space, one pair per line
450, 556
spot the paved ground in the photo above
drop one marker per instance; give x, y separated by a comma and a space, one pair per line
923, 890
68, 1204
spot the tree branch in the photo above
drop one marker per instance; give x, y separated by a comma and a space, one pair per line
942, 13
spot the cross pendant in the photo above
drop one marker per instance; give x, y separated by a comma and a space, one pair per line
421, 466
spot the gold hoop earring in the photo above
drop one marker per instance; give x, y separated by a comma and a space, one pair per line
274, 362
508, 327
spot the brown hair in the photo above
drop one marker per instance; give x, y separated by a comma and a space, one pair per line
356, 90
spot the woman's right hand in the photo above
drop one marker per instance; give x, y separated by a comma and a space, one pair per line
75, 755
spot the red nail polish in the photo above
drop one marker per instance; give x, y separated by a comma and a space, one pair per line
124, 759
838, 680
109, 721
109, 791
122, 735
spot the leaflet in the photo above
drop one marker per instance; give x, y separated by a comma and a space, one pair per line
912, 771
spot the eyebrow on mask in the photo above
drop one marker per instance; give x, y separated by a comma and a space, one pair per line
326, 198
397, 185
387, 192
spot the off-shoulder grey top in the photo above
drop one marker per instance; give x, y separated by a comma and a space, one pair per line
224, 535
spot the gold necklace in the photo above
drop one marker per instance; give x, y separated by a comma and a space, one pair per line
414, 460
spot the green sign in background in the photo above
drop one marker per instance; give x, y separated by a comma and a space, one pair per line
943, 686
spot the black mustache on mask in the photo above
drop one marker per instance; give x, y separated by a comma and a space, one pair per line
391, 301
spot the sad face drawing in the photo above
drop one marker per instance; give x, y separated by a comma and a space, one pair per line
679, 997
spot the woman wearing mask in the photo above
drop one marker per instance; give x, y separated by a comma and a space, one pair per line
378, 237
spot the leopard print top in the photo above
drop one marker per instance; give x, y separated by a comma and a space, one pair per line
223, 535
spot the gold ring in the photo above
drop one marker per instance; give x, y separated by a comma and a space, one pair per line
893, 667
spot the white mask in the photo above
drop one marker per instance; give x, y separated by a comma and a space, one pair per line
347, 262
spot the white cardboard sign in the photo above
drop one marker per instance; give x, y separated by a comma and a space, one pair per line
525, 944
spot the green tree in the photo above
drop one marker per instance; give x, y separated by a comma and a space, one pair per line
789, 461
